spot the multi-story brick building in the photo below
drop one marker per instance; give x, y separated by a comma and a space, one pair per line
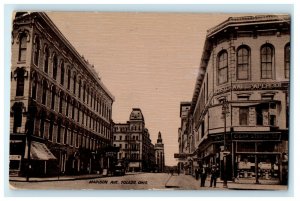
240, 106
133, 139
185, 162
60, 109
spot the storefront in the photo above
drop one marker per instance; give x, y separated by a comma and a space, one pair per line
257, 153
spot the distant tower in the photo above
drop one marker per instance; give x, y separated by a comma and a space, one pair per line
159, 154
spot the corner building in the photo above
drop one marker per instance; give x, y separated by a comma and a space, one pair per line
133, 139
60, 110
240, 107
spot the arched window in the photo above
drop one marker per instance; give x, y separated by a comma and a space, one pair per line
73, 110
67, 106
20, 82
287, 55
222, 67
46, 60
243, 63
267, 54
58, 131
83, 96
55, 63
36, 51
61, 98
22, 46
51, 129
53, 92
66, 134
79, 88
44, 94
42, 124
91, 102
33, 89
87, 95
69, 78
62, 74
74, 84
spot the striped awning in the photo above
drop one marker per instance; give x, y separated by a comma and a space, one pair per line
39, 151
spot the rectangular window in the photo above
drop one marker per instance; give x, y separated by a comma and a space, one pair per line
244, 115
20, 85
202, 129
51, 130
272, 120
22, 47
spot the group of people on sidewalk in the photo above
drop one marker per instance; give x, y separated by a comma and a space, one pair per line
203, 172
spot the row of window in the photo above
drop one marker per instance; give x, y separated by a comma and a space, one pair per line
79, 88
68, 107
125, 129
126, 137
69, 136
267, 63
133, 147
133, 156
96, 126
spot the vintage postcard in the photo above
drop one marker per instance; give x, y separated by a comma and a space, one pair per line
147, 101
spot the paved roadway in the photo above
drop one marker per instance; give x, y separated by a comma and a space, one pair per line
138, 181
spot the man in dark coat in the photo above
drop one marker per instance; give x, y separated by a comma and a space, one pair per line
214, 176
203, 175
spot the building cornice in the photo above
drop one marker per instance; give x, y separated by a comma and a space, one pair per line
230, 22
88, 67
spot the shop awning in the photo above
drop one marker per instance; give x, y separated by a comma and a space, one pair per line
39, 151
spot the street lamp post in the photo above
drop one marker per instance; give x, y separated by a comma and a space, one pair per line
225, 109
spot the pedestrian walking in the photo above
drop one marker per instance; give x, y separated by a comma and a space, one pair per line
203, 175
214, 176
197, 174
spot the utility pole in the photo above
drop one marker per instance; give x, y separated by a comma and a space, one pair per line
29, 132
225, 108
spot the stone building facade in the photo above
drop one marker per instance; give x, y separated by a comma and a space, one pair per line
185, 141
239, 113
60, 109
133, 139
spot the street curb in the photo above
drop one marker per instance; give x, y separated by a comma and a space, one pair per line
170, 186
62, 179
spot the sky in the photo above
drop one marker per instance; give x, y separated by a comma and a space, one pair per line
146, 60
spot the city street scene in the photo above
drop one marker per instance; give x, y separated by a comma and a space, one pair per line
149, 101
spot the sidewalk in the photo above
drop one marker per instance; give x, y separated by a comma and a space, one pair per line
64, 177
57, 178
187, 182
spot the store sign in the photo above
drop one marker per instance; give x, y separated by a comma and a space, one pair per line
181, 155
14, 157
253, 86
256, 136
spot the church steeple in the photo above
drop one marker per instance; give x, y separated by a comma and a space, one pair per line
159, 139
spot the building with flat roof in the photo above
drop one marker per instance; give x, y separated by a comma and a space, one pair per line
60, 115
239, 114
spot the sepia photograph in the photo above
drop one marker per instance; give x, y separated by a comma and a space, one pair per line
149, 101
